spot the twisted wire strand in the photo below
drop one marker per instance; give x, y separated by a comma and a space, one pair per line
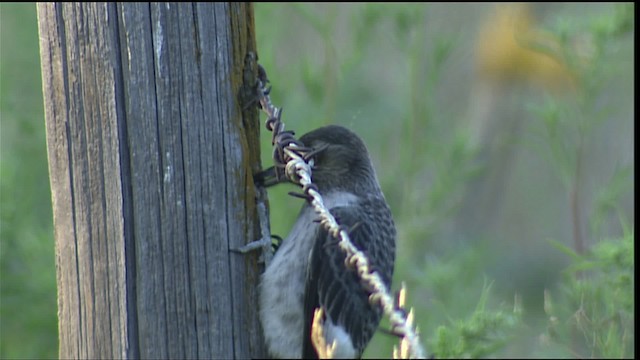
289, 155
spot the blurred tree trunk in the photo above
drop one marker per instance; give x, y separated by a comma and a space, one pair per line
151, 160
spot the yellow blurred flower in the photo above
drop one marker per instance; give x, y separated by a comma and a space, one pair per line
511, 49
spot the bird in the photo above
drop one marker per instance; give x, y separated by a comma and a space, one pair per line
308, 269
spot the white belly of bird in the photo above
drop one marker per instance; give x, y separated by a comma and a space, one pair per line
282, 288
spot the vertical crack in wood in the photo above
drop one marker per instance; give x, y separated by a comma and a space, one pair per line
131, 346
64, 63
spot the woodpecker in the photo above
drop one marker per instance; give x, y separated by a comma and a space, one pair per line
308, 270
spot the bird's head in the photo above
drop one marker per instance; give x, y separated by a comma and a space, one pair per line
340, 161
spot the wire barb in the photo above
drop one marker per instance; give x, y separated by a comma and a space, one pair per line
298, 162
325, 351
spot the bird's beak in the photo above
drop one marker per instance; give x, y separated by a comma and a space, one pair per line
315, 151
268, 177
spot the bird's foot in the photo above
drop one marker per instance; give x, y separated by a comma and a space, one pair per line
267, 244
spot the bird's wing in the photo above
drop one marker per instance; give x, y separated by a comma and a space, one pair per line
331, 285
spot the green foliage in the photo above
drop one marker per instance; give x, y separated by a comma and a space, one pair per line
568, 125
592, 314
459, 323
484, 333
607, 201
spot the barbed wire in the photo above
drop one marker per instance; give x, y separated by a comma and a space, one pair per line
291, 159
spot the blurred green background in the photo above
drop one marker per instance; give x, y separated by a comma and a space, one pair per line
502, 136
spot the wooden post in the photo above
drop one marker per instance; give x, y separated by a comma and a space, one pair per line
151, 160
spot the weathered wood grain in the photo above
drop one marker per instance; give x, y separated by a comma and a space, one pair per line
151, 161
